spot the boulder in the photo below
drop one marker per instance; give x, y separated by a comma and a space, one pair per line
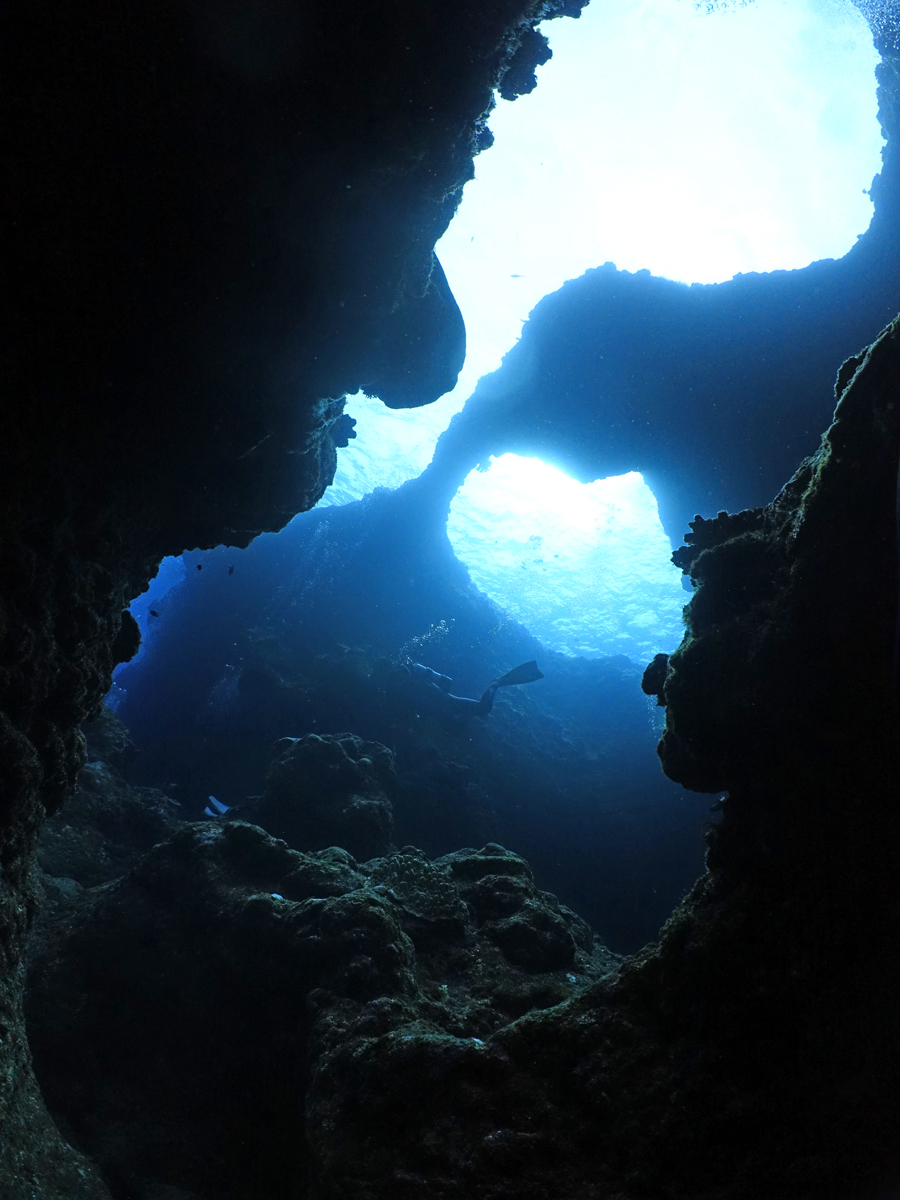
328, 791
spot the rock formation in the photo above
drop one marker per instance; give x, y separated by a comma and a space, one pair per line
219, 220
328, 791
225, 1077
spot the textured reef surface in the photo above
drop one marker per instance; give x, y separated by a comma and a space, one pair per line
235, 988
408, 1026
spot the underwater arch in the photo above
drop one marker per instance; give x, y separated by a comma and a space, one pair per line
695, 143
639, 146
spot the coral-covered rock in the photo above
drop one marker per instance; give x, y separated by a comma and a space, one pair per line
328, 791
194, 1023
104, 827
108, 740
531, 927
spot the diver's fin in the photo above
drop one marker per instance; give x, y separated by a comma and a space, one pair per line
526, 673
220, 808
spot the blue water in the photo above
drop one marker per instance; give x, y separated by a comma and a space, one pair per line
704, 181
585, 567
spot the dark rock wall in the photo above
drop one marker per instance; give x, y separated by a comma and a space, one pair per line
785, 692
218, 219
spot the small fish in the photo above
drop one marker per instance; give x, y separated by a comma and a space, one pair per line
231, 570
199, 566
153, 612
216, 808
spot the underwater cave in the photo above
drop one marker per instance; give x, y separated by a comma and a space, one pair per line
449, 713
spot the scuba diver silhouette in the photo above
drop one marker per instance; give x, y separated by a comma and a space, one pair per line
432, 691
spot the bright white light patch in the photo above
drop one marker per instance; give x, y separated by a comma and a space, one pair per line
585, 567
694, 144
391, 446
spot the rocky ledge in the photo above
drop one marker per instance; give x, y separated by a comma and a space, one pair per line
229, 1015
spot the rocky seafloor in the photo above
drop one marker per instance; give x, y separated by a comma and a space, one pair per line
220, 1014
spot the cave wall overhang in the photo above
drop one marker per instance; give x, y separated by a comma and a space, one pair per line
220, 218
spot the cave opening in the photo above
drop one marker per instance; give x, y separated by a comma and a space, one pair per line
760, 103
576, 556
584, 567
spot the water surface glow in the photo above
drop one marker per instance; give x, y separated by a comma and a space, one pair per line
661, 136
696, 145
585, 567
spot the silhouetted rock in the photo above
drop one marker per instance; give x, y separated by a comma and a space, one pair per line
104, 827
225, 219
328, 791
109, 741
191, 1022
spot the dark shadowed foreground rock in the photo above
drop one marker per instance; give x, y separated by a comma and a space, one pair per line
328, 791
108, 740
224, 218
222, 1019
104, 826
238, 1020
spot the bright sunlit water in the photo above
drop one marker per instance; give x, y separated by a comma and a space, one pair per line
696, 144
583, 566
